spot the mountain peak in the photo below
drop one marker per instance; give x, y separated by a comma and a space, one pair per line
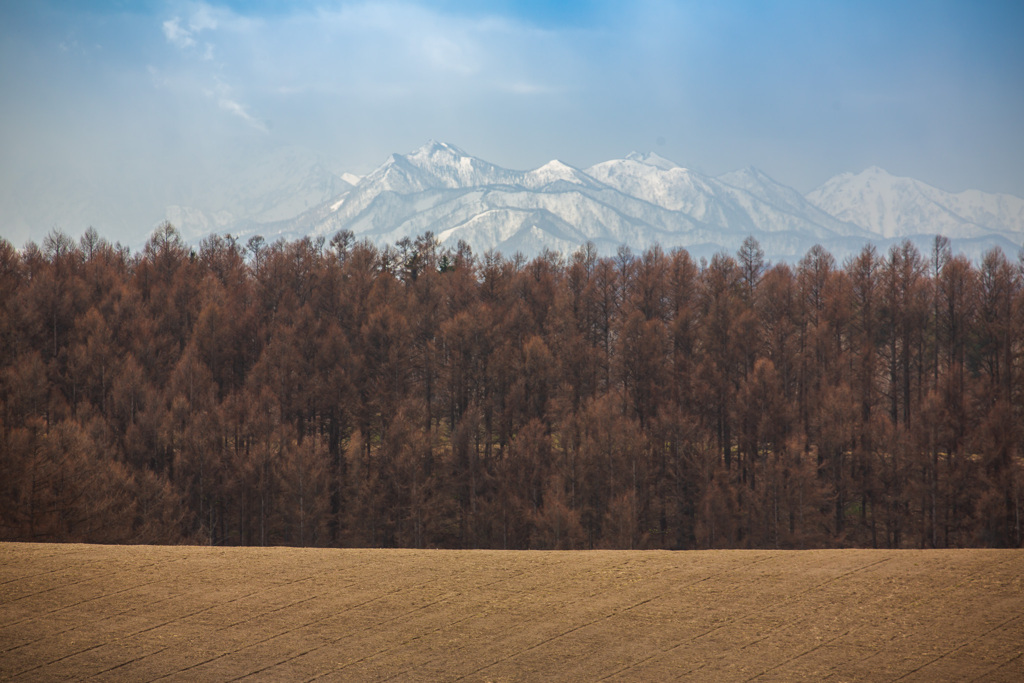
556, 165
554, 171
652, 159
872, 173
434, 148
639, 200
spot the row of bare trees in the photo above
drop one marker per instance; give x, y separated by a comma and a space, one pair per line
339, 394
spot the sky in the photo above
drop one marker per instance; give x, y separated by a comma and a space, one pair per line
111, 111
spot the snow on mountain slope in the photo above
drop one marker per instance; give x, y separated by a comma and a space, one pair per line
895, 207
437, 164
555, 172
745, 199
675, 188
786, 200
638, 201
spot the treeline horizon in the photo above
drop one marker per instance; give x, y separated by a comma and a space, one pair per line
318, 393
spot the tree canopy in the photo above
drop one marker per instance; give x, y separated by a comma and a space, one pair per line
341, 394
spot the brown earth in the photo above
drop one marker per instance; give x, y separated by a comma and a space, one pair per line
186, 613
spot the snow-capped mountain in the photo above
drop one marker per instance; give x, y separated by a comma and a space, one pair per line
893, 207
639, 201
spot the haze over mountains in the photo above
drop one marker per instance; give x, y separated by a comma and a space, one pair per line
640, 200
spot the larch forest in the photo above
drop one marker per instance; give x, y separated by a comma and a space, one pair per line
335, 393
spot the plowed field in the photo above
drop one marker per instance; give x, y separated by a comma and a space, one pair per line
185, 613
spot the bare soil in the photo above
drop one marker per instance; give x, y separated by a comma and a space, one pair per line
187, 613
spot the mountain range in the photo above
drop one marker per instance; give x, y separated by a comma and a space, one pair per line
639, 201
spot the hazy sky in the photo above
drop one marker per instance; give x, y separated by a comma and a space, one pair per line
114, 110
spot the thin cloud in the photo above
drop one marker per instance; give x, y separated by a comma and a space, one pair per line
412, 49
239, 111
178, 35
803, 91
184, 33
204, 18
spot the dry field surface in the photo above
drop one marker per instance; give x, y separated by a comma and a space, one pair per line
185, 613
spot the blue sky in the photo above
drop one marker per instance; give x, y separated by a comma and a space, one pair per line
125, 107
